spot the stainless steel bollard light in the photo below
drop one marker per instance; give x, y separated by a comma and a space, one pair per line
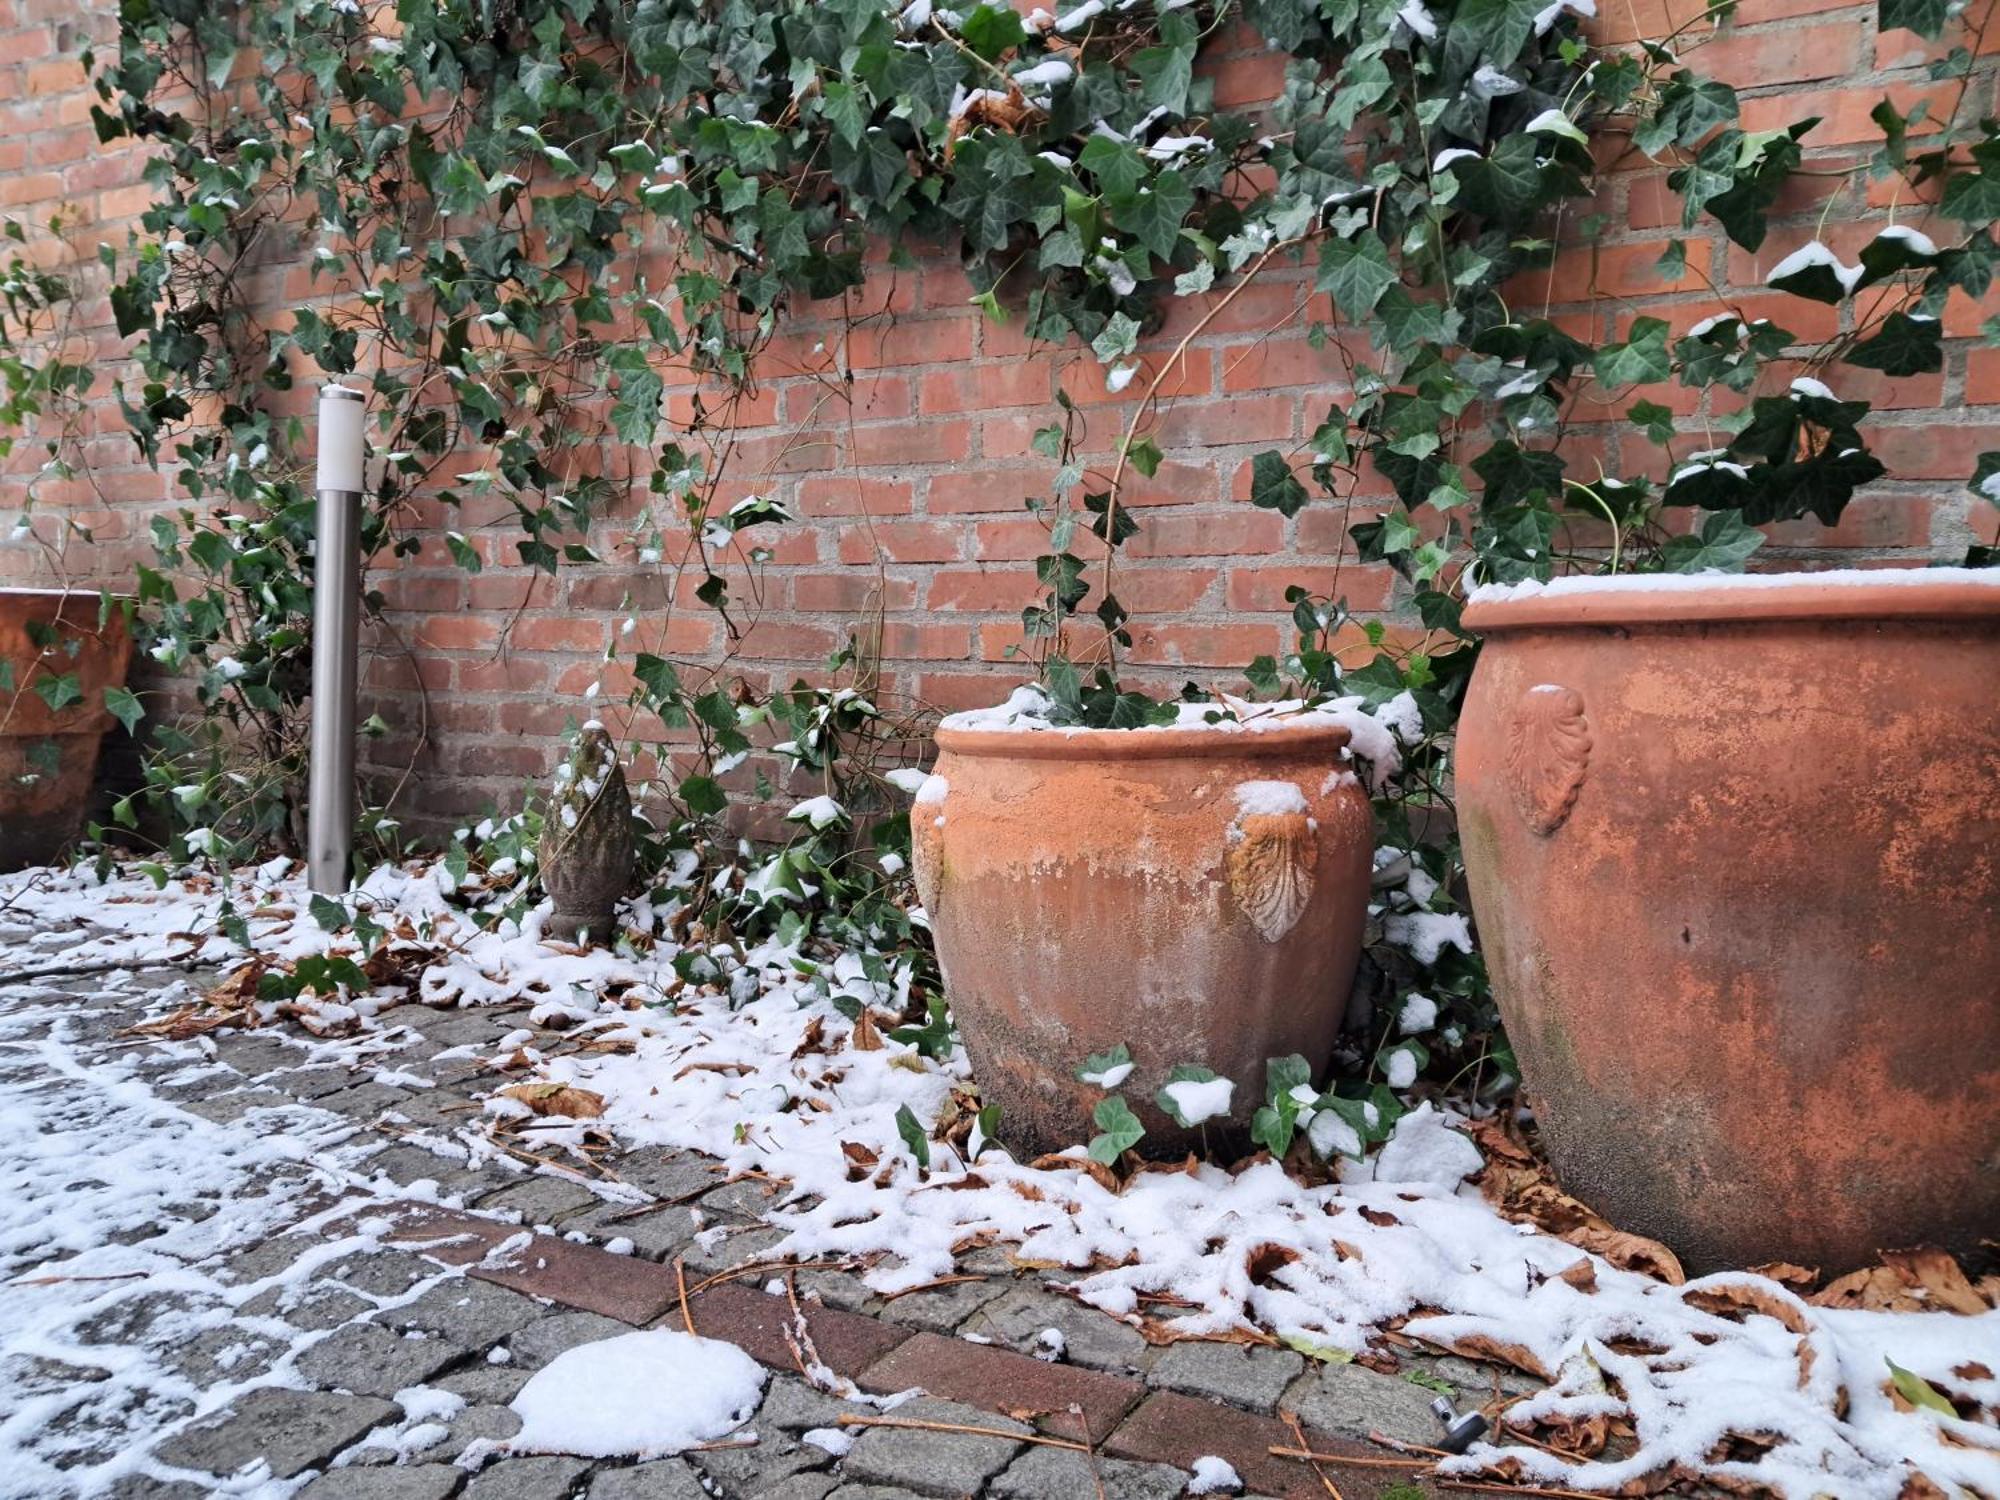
343, 452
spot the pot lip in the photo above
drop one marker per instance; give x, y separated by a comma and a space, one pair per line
1152, 743
1725, 598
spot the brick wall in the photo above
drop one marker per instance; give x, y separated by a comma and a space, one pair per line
898, 425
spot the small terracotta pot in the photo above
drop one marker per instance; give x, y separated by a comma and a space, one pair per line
1735, 858
40, 810
1195, 894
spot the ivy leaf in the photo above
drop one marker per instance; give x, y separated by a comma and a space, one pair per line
1985, 481
1903, 345
58, 692
1106, 1069
1655, 421
1972, 198
1154, 215
701, 796
1641, 360
1182, 1073
462, 552
124, 706
1408, 322
1723, 545
913, 1135
1356, 273
1273, 485
1925, 17
1814, 271
1119, 1129
991, 30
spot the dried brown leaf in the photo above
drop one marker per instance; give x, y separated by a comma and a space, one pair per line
557, 1099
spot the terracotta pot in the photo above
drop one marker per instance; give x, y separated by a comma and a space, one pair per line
1735, 858
42, 810
1195, 894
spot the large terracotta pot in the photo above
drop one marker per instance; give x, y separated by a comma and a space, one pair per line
42, 810
1734, 850
1195, 894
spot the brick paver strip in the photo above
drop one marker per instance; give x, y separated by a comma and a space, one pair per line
618, 1286
443, 1234
1001, 1380
1175, 1429
755, 1322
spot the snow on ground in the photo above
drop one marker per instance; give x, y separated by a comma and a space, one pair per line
775, 1085
114, 1201
602, 1399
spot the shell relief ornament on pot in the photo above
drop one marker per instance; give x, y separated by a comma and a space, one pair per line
1548, 752
1273, 847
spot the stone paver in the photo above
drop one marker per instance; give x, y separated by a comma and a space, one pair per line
421, 1482
668, 1479
527, 1479
1353, 1401
934, 1463
470, 1314
1044, 1473
1020, 1317
1247, 1375
371, 1360
541, 1341
291, 1431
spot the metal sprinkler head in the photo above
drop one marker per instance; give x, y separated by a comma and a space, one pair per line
1460, 1432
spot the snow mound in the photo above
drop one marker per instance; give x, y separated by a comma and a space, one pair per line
640, 1395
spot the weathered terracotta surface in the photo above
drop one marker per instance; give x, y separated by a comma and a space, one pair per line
1102, 886
585, 854
40, 812
1735, 860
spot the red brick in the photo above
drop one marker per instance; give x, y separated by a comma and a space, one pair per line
759, 1324
999, 1380
902, 542
1175, 1429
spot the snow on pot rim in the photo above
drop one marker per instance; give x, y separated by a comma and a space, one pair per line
1726, 598
1020, 729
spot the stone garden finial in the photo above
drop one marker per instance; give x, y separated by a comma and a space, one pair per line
586, 850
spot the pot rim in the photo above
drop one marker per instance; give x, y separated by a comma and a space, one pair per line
1202, 743
1741, 598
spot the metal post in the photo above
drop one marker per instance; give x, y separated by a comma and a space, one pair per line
336, 629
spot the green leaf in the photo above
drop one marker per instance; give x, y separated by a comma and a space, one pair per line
1119, 1130
1355, 273
1985, 481
58, 692
328, 913
1182, 1073
1100, 1063
1154, 214
991, 30
1641, 360
1915, 1389
1925, 17
1273, 485
1723, 545
913, 1135
1656, 420
124, 706
1903, 345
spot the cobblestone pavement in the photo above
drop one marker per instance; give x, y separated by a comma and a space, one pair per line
326, 1317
